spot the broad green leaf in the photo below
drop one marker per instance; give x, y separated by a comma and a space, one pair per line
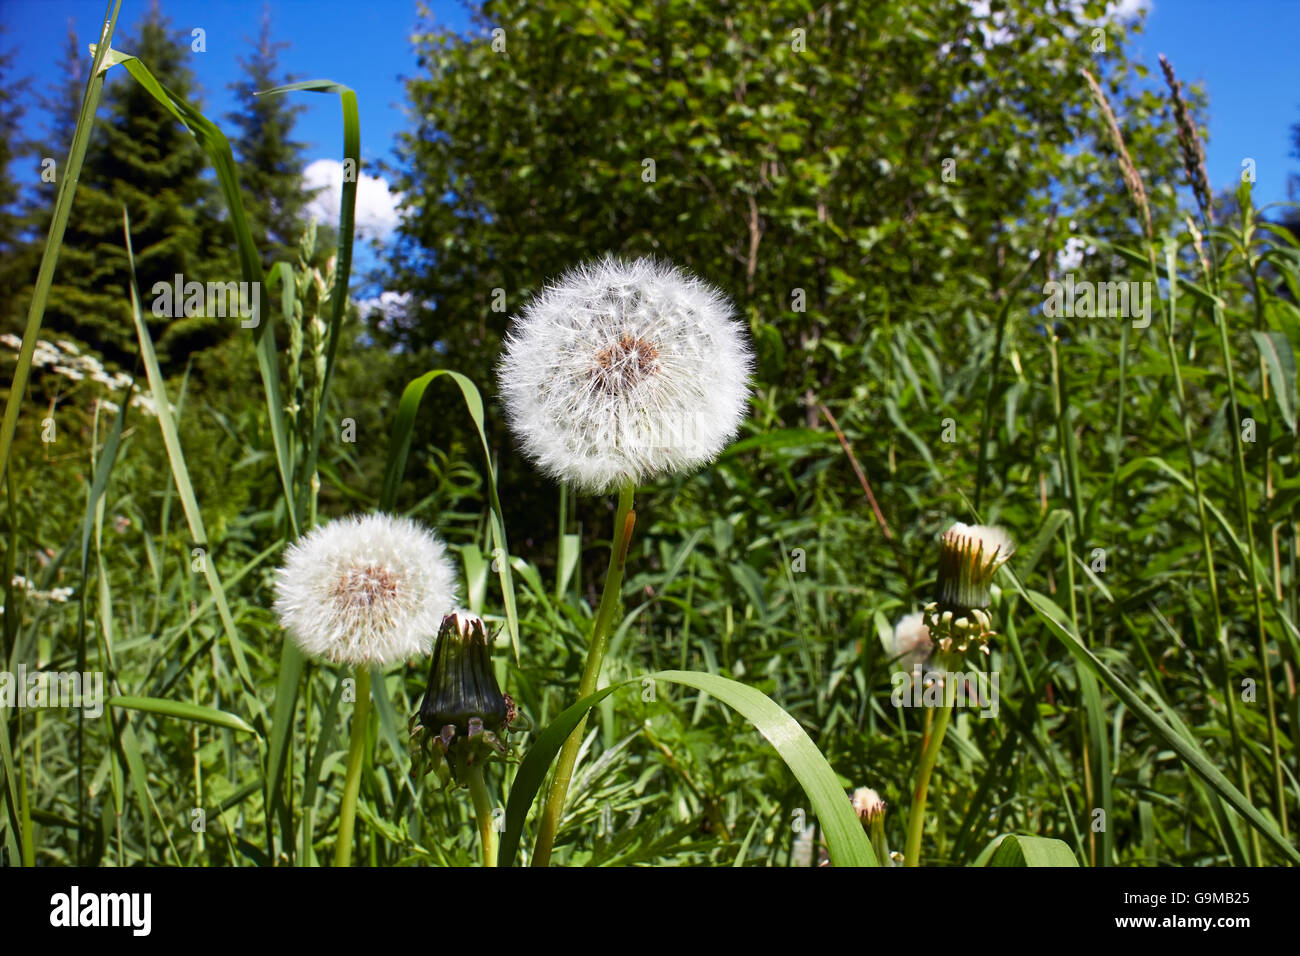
1016, 850
1275, 349
845, 838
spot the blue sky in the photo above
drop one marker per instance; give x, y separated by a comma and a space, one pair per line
1243, 51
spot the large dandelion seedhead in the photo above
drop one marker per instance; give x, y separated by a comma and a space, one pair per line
621, 371
365, 590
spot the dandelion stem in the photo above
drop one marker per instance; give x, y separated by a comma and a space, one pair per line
483, 812
609, 600
352, 785
929, 756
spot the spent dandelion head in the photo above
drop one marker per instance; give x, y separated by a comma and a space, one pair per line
868, 805
968, 558
620, 371
464, 710
365, 590
909, 644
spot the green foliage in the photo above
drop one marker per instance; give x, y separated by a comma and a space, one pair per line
1147, 624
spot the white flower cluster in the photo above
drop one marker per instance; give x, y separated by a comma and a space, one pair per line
56, 595
66, 360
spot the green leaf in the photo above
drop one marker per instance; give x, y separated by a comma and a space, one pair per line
1015, 850
845, 838
184, 711
1275, 349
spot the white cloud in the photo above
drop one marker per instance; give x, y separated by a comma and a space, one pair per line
1128, 10
377, 206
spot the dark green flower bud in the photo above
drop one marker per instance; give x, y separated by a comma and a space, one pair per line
463, 685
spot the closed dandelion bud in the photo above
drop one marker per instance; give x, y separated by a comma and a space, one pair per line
871, 811
868, 805
463, 710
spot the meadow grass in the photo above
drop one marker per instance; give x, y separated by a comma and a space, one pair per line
1148, 701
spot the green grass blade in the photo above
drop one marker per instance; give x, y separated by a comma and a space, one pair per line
183, 710
217, 148
54, 238
1191, 755
176, 457
403, 423
286, 700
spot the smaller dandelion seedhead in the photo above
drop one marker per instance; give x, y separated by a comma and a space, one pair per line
968, 559
909, 644
365, 590
463, 711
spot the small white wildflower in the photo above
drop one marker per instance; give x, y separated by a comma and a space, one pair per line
68, 372
11, 341
365, 590
58, 595
44, 355
621, 371
909, 645
68, 347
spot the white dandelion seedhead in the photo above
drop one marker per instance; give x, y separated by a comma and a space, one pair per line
365, 590
621, 371
909, 645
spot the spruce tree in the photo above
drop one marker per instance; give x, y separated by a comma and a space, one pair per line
12, 247
270, 161
140, 157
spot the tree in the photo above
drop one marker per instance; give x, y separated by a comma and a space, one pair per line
836, 172
11, 245
141, 158
270, 161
